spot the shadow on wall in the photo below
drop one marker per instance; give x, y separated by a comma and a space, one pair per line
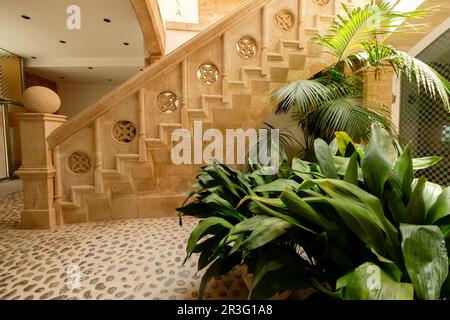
75, 97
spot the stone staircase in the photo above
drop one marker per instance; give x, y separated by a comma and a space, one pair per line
113, 160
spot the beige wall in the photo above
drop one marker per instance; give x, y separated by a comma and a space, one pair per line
176, 38
77, 96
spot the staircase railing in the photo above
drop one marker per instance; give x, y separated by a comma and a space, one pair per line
132, 86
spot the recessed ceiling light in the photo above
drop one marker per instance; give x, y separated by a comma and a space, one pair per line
33, 57
62, 41
107, 20
26, 17
90, 68
126, 44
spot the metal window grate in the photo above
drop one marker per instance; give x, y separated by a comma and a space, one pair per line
424, 123
10, 77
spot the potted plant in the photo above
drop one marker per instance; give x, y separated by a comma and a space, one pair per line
353, 222
354, 225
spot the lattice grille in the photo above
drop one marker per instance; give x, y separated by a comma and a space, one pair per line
125, 131
285, 20
246, 47
80, 163
423, 121
167, 102
32, 80
10, 77
322, 2
207, 74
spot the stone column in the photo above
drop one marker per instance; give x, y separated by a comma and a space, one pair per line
37, 171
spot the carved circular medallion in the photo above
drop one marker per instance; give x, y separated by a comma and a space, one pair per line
207, 74
80, 163
167, 102
246, 47
124, 131
285, 20
322, 2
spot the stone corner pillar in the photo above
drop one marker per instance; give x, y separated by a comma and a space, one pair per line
37, 171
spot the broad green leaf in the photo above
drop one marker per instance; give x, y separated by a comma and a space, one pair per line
396, 206
274, 267
351, 193
378, 161
325, 159
195, 209
370, 282
445, 229
229, 214
404, 169
415, 210
216, 202
344, 141
267, 231
202, 229
426, 259
206, 250
302, 209
277, 186
342, 282
360, 221
218, 268
441, 207
351, 175
220, 174
286, 217
425, 163
237, 243
301, 169
390, 266
431, 193
344, 191
275, 202
248, 225
334, 148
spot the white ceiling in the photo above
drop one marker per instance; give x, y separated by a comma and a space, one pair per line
98, 44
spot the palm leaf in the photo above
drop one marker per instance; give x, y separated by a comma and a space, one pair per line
424, 76
307, 95
344, 114
348, 33
376, 55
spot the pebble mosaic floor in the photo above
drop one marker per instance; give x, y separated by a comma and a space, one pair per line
132, 259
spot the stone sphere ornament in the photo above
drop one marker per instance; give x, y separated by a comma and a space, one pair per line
41, 100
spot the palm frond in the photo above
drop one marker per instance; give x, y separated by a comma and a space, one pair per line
347, 33
376, 55
373, 55
344, 114
424, 76
308, 95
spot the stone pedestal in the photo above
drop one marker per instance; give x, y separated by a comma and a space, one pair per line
37, 171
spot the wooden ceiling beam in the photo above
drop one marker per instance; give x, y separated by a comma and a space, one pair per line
150, 20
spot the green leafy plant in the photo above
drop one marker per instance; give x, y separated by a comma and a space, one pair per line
354, 225
332, 100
